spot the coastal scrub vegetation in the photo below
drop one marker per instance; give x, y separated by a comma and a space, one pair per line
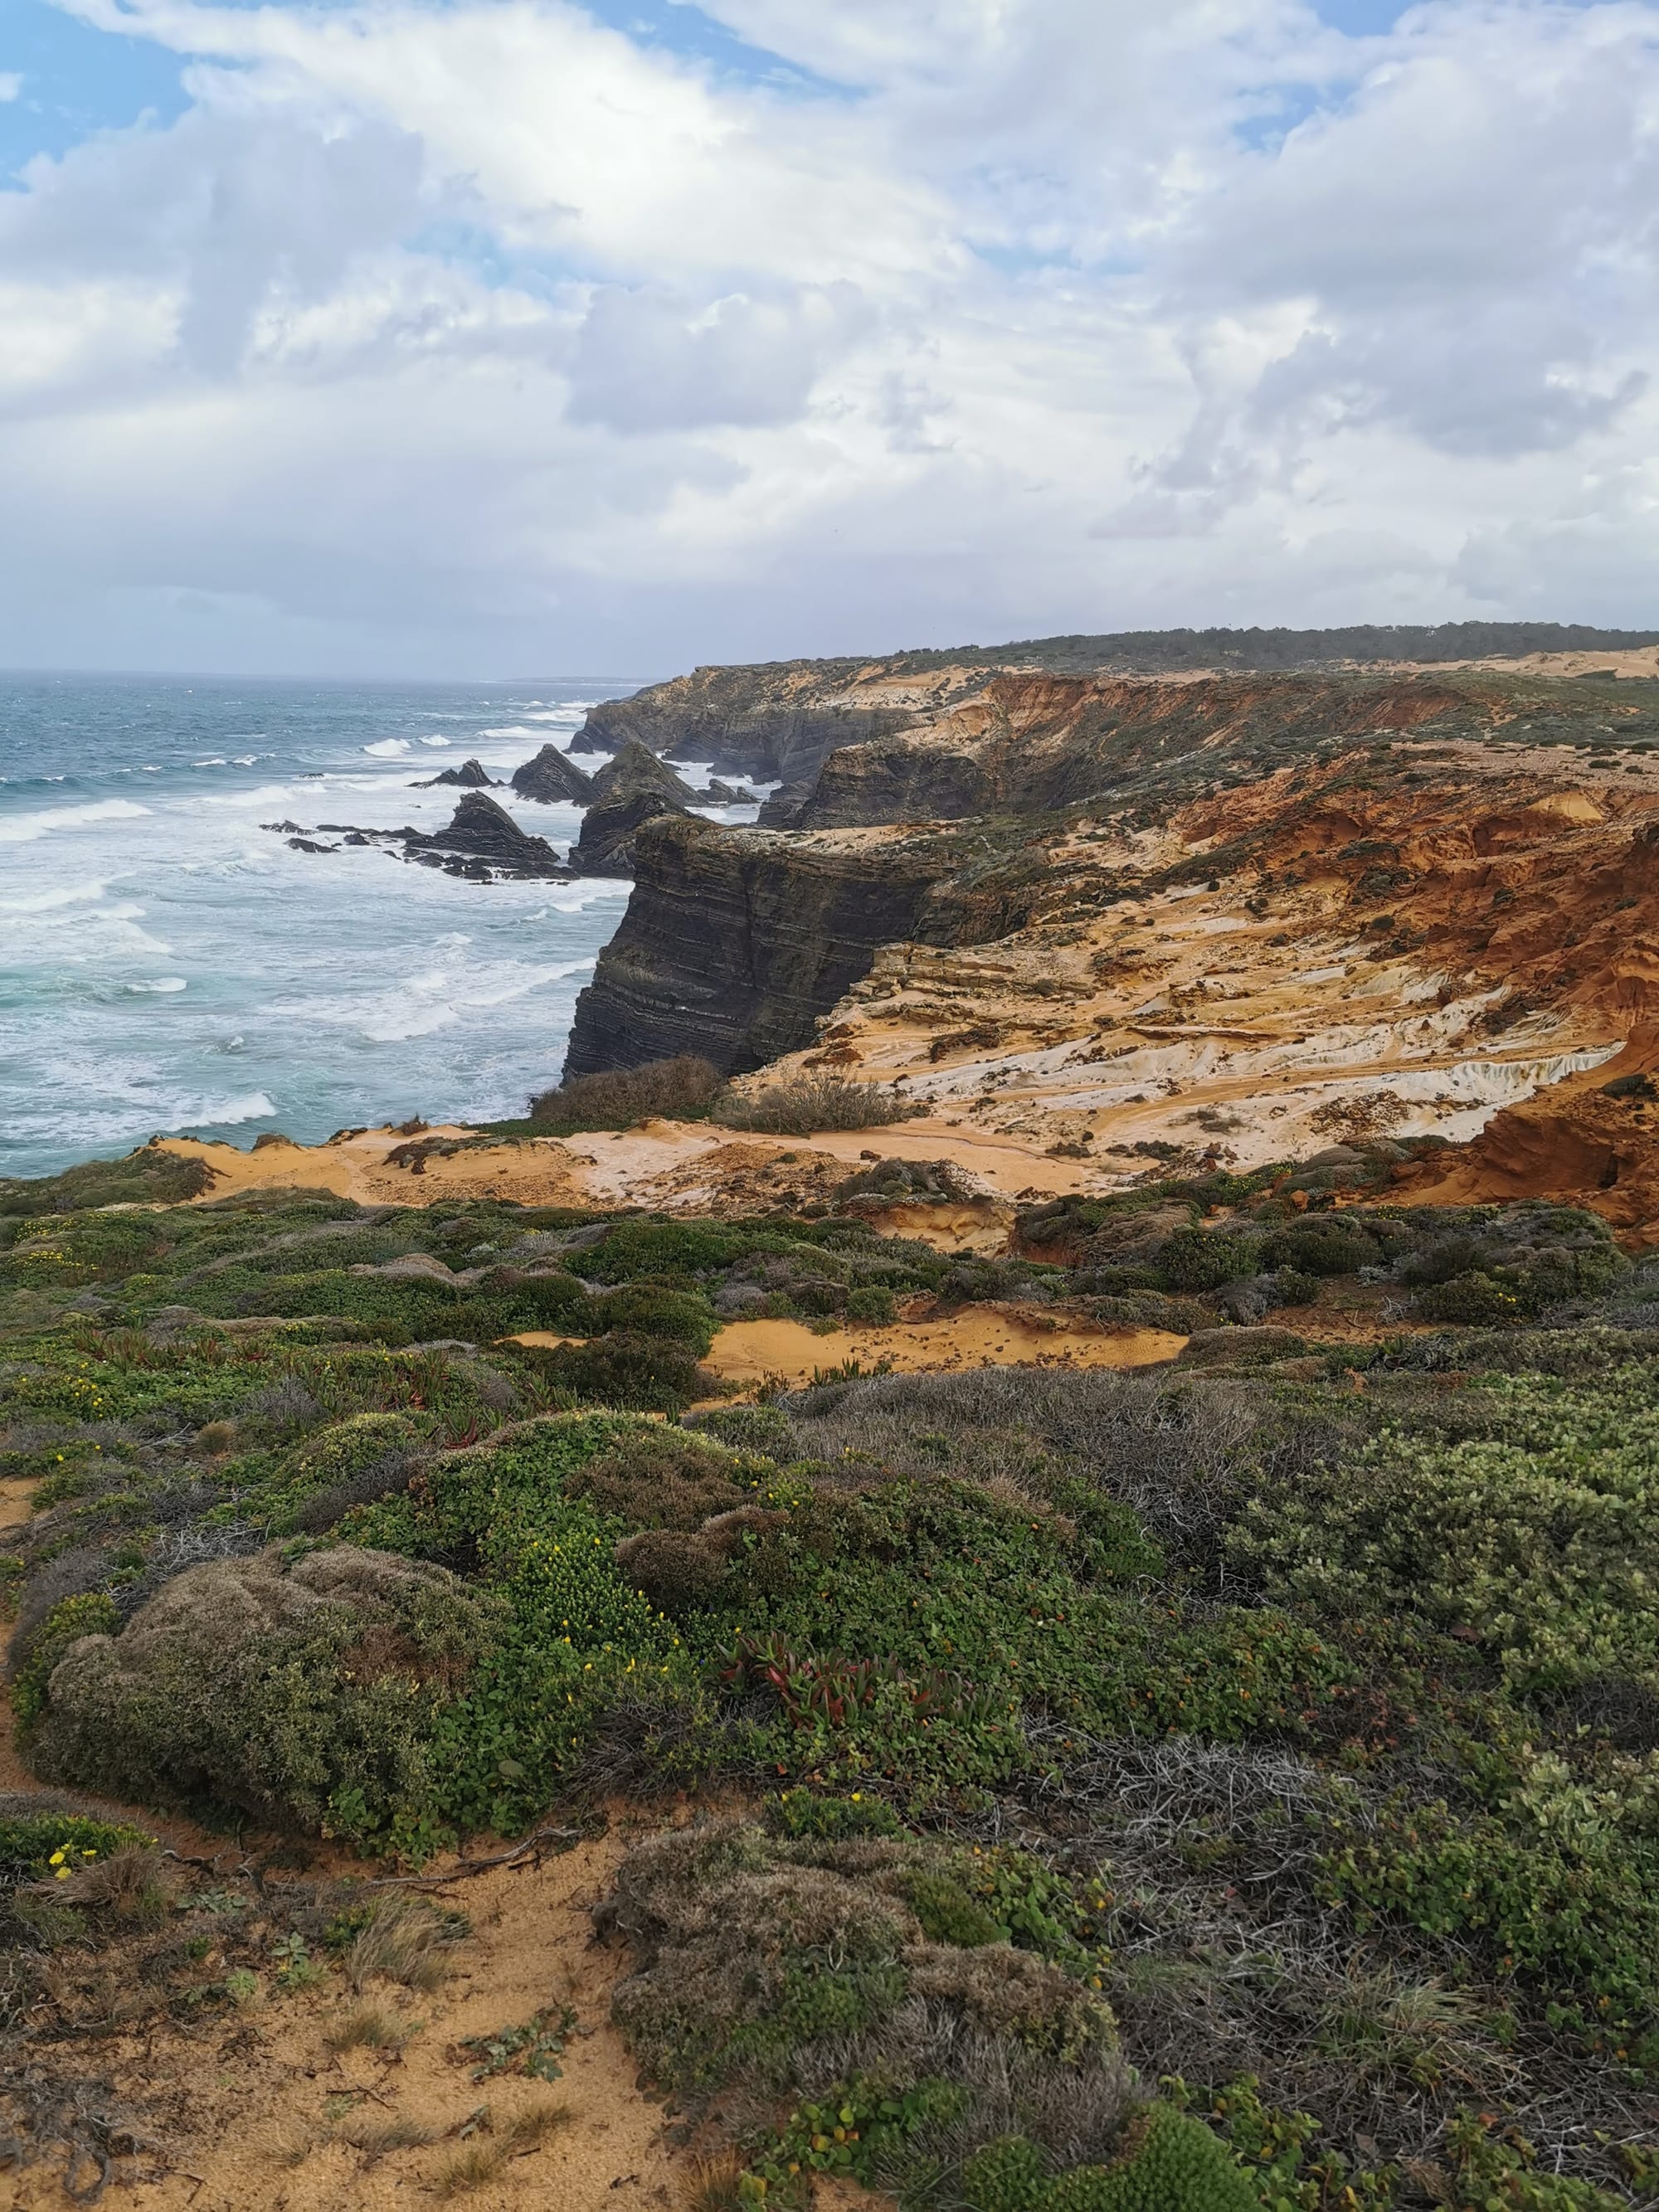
801, 1105
684, 1088
1229, 1784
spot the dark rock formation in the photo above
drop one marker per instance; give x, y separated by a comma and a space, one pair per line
471, 775
605, 847
716, 794
482, 831
776, 721
636, 768
553, 779
736, 940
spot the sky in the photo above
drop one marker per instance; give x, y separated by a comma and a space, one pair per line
479, 337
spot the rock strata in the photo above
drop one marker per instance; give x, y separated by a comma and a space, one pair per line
605, 847
636, 768
553, 779
735, 941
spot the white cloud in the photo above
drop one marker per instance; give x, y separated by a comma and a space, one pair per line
11, 84
484, 334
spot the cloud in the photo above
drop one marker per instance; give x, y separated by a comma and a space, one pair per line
646, 361
11, 84
489, 334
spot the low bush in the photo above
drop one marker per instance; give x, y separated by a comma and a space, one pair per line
801, 1105
682, 1089
1204, 1259
1171, 2163
301, 1693
149, 1176
635, 1373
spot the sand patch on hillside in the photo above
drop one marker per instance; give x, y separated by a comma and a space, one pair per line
533, 1171
747, 1352
256, 2110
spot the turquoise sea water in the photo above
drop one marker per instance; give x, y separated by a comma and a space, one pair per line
166, 965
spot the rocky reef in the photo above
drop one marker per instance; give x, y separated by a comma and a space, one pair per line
471, 776
481, 841
634, 767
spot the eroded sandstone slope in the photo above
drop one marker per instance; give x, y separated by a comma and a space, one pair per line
1232, 919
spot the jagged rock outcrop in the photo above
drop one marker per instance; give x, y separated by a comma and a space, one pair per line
471, 775
634, 767
772, 722
553, 779
605, 847
484, 834
735, 941
716, 794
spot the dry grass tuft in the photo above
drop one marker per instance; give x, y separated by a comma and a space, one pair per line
376, 2133
366, 2028
403, 1942
483, 2160
803, 1104
715, 2183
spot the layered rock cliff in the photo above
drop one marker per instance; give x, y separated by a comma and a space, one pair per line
735, 942
778, 721
1225, 916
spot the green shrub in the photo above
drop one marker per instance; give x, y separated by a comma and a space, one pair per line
1541, 1542
947, 1913
31, 1844
642, 1374
806, 1812
750, 1429
1472, 1301
871, 1303
1171, 2163
92, 1614
648, 1310
303, 1695
149, 1176
348, 1463
1327, 1247
1204, 1259
682, 1088
800, 1105
669, 1251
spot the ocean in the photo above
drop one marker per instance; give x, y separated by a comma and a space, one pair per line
168, 966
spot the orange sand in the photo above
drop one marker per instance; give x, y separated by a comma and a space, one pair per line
979, 1336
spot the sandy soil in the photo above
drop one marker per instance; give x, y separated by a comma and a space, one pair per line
537, 1171
978, 1336
256, 2109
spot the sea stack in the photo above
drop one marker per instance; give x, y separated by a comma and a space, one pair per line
553, 779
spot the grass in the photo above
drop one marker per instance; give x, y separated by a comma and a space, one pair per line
376, 2135
366, 2028
403, 1942
482, 2161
